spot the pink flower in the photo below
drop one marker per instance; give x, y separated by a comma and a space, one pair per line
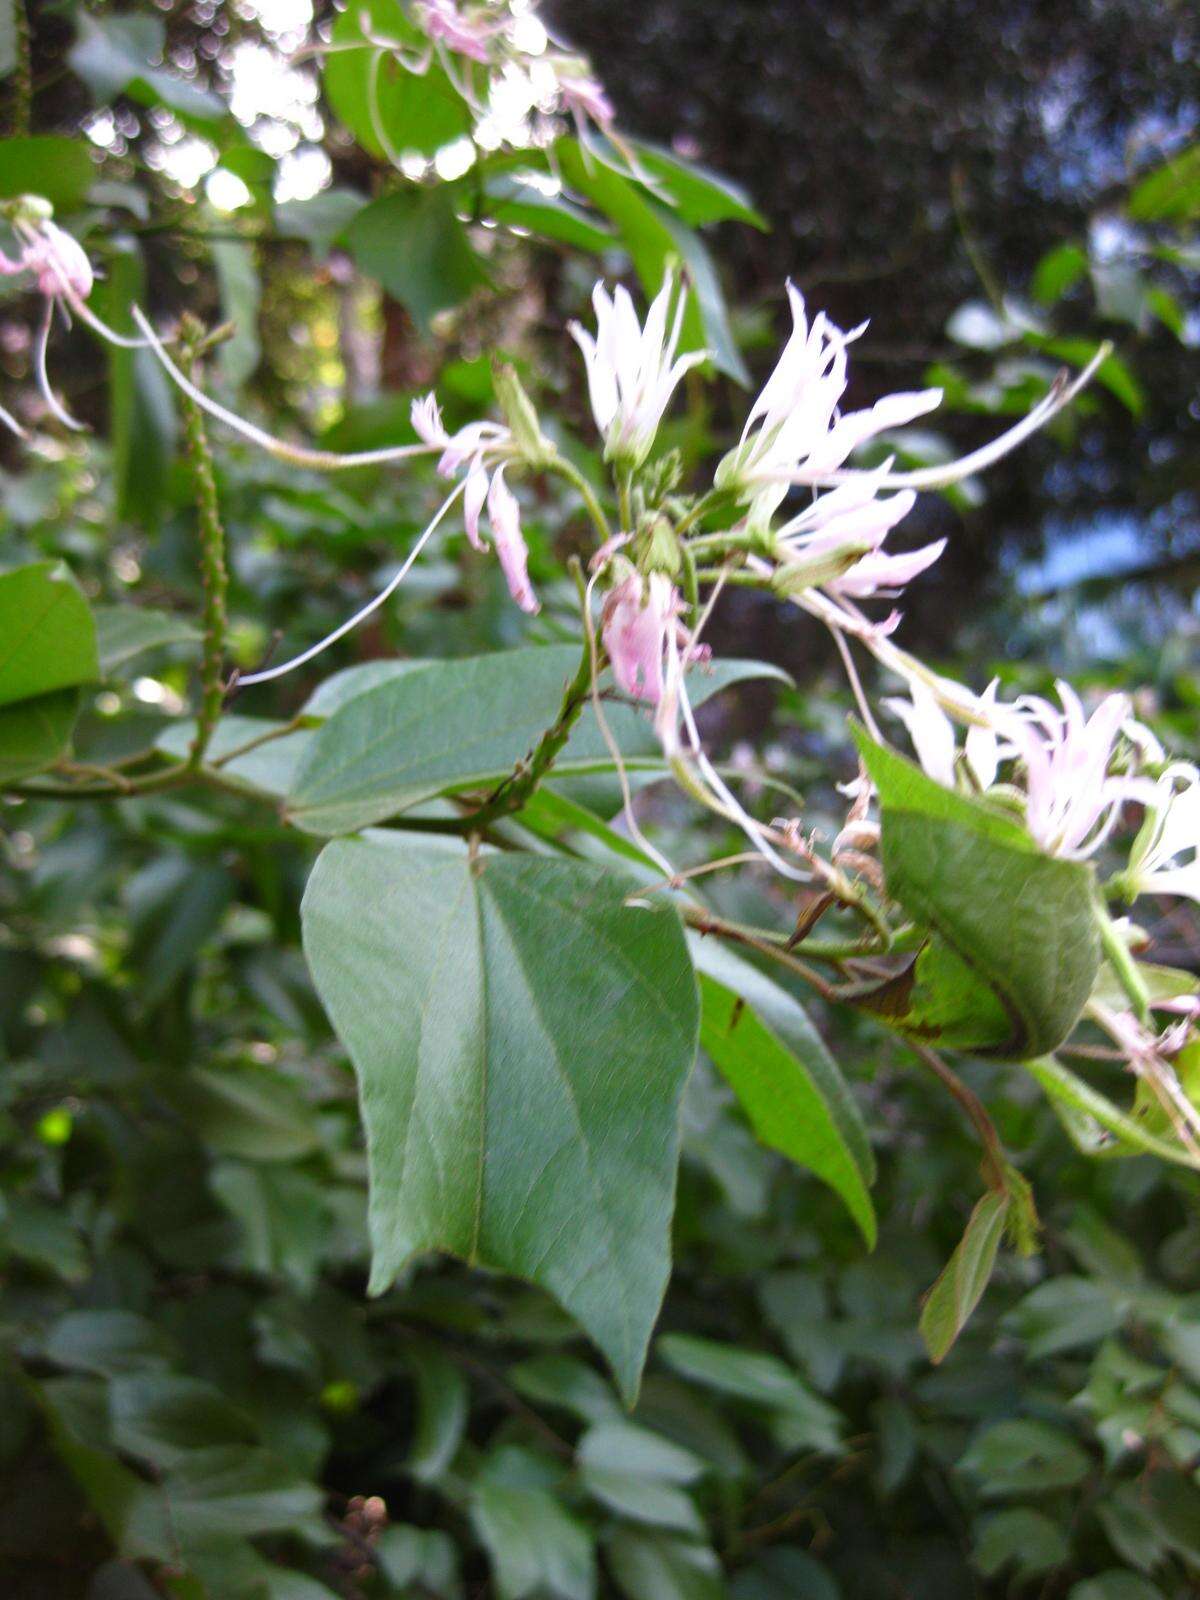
58, 262
935, 740
504, 514
839, 537
640, 620
1073, 801
584, 96
466, 35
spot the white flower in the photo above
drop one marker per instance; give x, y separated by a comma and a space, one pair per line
1171, 830
632, 371
934, 739
794, 433
838, 540
1073, 801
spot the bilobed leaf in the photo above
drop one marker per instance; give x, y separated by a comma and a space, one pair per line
521, 1038
59, 169
965, 1276
373, 93
413, 244
47, 636
1022, 920
788, 1085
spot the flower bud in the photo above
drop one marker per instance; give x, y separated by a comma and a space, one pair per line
532, 444
661, 548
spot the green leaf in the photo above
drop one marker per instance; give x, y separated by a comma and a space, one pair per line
125, 632
789, 1086
120, 54
142, 405
249, 1111
34, 734
1095, 1124
965, 1276
427, 1558
320, 221
1057, 271
105, 1342
412, 243
1115, 1585
442, 1406
438, 727
658, 1566
8, 37
285, 1217
37, 1233
1022, 1456
626, 1447
268, 769
653, 238
519, 205
522, 1039
762, 1379
566, 1382
47, 636
535, 1546
696, 194
369, 89
709, 297
241, 295
162, 1417
1022, 920
238, 1491
1171, 193
61, 170
1021, 1538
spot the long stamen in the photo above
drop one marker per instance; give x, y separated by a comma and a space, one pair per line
7, 420
359, 616
322, 460
43, 377
1060, 397
84, 312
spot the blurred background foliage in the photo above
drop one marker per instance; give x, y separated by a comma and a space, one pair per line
198, 1400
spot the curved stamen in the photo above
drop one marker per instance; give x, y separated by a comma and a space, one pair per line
322, 460
43, 377
359, 616
10, 422
1059, 398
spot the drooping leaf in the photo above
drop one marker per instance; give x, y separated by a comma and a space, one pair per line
536, 1547
788, 1084
1022, 920
696, 194
965, 1276
442, 1406
521, 1038
799, 1417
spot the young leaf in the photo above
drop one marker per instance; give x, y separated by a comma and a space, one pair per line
788, 1084
1022, 920
521, 1038
965, 1276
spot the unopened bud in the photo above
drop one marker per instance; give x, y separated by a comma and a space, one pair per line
793, 577
534, 448
29, 208
661, 548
